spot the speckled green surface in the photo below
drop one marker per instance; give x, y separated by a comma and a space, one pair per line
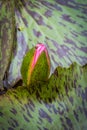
7, 32
60, 103
60, 25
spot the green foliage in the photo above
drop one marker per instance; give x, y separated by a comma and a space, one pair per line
57, 104
60, 25
7, 32
60, 103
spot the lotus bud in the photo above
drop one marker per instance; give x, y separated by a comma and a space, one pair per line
36, 65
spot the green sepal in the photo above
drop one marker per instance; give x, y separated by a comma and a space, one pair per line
41, 70
25, 64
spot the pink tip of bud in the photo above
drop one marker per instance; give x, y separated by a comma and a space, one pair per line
39, 49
